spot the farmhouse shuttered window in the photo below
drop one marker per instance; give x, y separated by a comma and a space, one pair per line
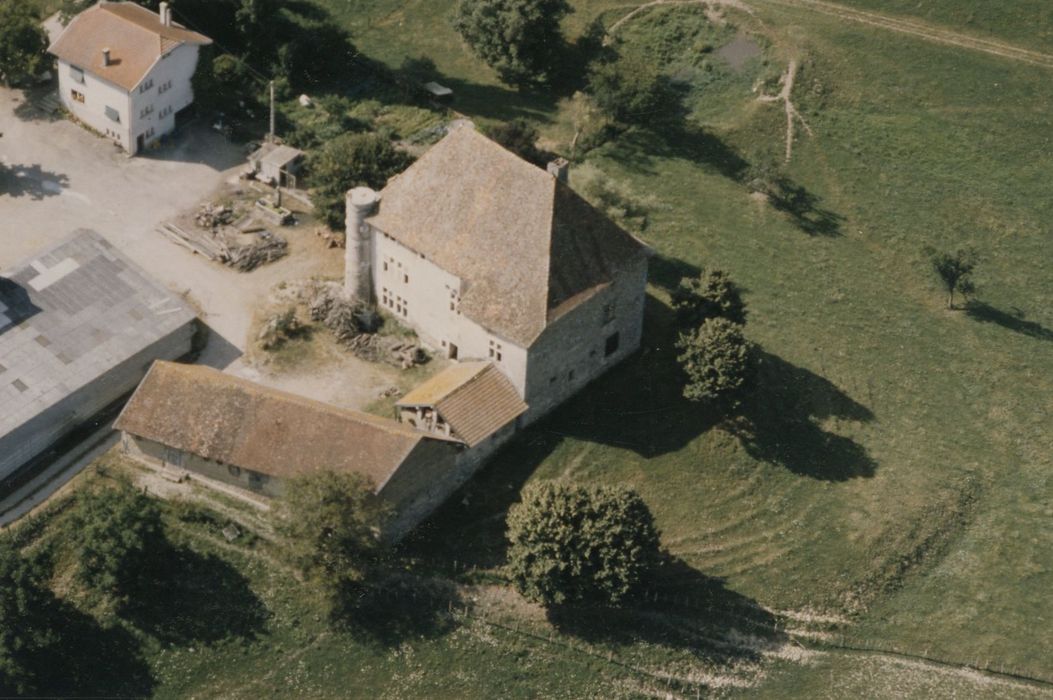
77, 96
76, 74
113, 114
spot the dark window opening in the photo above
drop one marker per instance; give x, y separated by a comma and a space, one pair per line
612, 344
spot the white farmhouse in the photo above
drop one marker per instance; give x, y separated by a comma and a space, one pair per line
490, 258
125, 71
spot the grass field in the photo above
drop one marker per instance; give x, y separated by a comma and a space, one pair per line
889, 485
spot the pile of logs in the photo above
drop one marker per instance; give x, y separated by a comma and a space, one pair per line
266, 248
213, 216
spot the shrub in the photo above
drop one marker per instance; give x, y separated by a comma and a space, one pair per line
718, 361
520, 137
23, 43
348, 161
25, 614
611, 197
576, 544
629, 89
710, 295
955, 271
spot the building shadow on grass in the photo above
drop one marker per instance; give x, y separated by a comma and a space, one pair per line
779, 423
30, 181
1014, 320
190, 597
89, 660
398, 608
684, 610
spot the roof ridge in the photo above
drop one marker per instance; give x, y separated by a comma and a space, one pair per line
388, 425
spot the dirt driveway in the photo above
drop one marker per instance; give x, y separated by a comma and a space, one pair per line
59, 177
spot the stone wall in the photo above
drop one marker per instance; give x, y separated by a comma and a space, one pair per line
585, 343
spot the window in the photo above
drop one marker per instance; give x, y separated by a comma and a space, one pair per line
113, 114
385, 266
612, 345
495, 350
77, 96
570, 376
405, 279
164, 87
385, 298
146, 111
76, 74
608, 313
233, 470
164, 112
405, 308
147, 84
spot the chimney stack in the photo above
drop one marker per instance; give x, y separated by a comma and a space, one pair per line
358, 246
165, 13
105, 57
560, 169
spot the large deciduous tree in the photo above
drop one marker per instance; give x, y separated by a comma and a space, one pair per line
23, 42
718, 361
581, 545
330, 522
520, 39
348, 161
630, 89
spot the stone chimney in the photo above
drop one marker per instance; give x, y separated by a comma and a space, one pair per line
358, 248
165, 13
105, 57
560, 169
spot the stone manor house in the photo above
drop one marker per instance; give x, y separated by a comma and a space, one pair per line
126, 71
495, 263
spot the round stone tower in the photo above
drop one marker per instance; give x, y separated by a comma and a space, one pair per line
358, 250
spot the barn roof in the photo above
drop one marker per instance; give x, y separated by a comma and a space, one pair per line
70, 314
231, 420
526, 247
475, 398
135, 36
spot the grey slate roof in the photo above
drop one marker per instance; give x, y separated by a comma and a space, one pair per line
68, 315
527, 248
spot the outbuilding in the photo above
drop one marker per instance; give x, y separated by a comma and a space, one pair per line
79, 326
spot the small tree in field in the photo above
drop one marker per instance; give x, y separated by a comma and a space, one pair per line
718, 361
113, 531
520, 39
348, 161
25, 611
955, 271
330, 522
23, 43
710, 295
575, 544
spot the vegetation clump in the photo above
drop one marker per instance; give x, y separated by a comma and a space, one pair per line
25, 611
719, 362
629, 89
23, 43
114, 531
712, 294
520, 137
520, 39
348, 161
573, 545
330, 523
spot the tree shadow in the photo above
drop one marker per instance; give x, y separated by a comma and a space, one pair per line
15, 304
398, 608
35, 108
684, 610
190, 597
89, 660
31, 181
803, 207
1013, 320
779, 423
666, 272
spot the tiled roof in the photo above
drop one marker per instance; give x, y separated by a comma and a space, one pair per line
525, 245
134, 35
234, 421
70, 314
475, 398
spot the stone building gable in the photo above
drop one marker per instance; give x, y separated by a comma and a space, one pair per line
522, 243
